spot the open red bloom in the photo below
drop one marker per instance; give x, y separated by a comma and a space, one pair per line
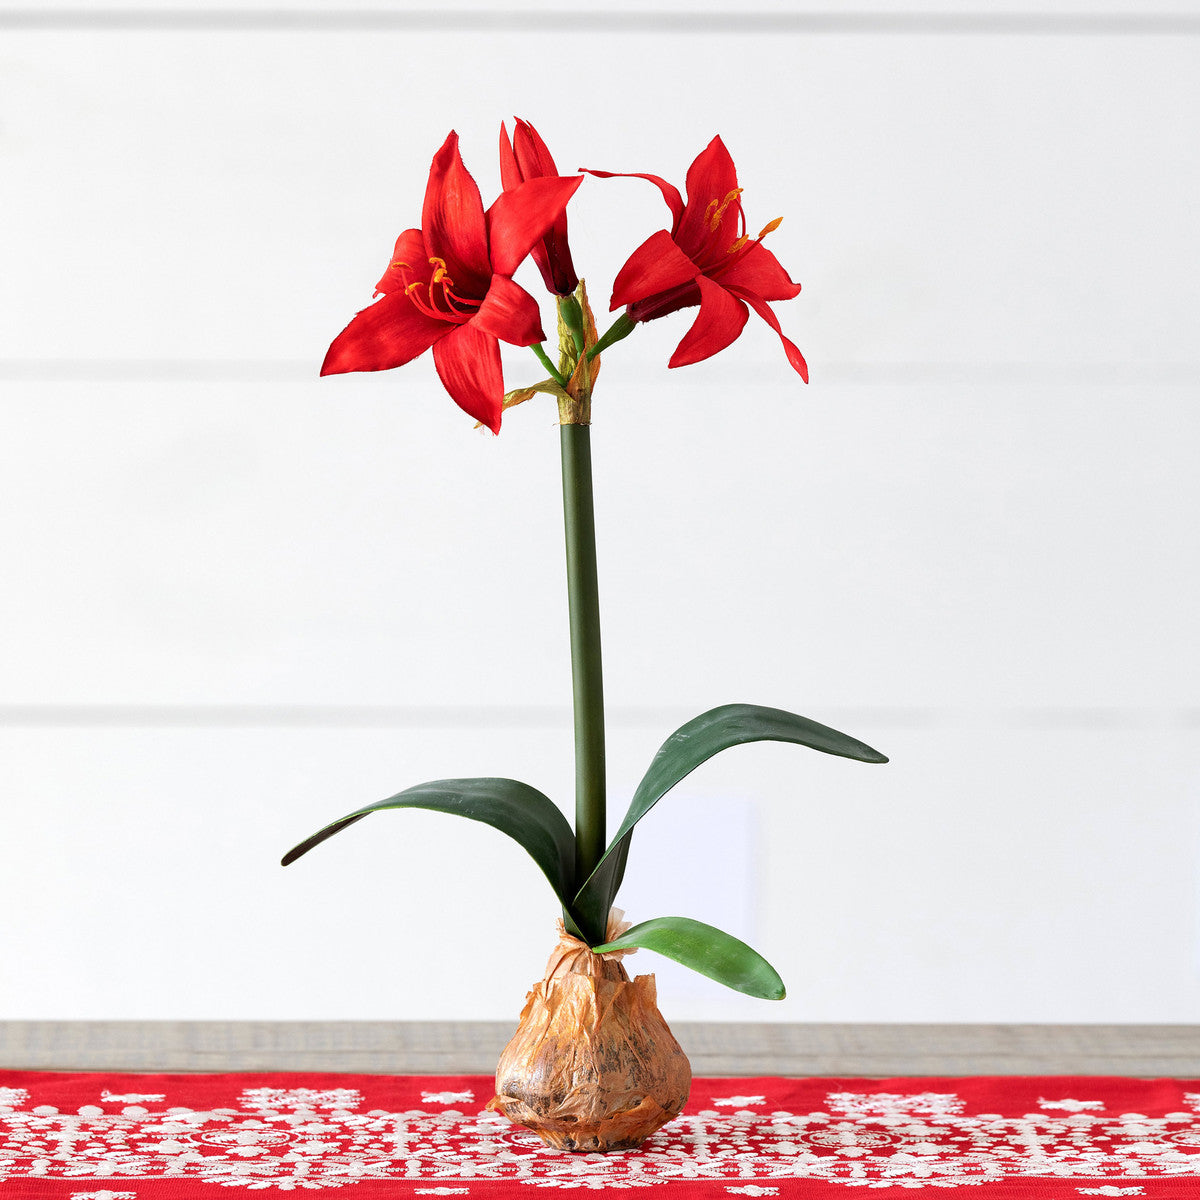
449, 286
707, 259
526, 157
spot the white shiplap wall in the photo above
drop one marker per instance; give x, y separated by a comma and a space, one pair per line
242, 600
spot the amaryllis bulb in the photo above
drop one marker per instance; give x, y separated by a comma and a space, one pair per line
593, 1065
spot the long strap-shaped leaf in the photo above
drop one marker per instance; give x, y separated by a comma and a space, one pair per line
514, 808
706, 949
688, 747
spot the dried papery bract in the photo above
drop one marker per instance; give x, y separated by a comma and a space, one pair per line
593, 1065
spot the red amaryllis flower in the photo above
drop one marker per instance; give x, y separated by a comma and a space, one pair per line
449, 286
705, 259
526, 157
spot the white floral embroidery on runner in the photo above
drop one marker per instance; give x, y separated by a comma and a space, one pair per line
447, 1097
295, 1139
301, 1099
891, 1104
1072, 1105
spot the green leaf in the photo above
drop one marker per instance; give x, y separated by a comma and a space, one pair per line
706, 949
688, 747
514, 808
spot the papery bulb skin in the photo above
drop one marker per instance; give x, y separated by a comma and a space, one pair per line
593, 1065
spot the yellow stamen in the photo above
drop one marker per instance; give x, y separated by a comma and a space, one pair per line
715, 212
769, 227
439, 271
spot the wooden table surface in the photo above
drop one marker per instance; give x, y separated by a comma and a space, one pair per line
715, 1049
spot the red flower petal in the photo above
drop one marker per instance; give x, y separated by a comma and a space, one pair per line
510, 173
662, 304
468, 362
521, 216
793, 354
553, 258
758, 271
388, 334
721, 319
410, 250
657, 265
711, 179
670, 193
508, 311
453, 223
526, 157
531, 152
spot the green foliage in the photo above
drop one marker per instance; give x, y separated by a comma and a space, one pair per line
525, 814
706, 949
533, 821
685, 750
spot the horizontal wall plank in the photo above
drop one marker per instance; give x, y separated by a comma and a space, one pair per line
1086, 17
1111, 374
467, 717
980, 876
1042, 214
991, 550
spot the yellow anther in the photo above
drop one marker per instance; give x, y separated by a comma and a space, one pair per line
715, 212
439, 271
769, 227
412, 287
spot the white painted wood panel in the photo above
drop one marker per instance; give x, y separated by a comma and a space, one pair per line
241, 599
946, 199
982, 875
950, 549
988, 17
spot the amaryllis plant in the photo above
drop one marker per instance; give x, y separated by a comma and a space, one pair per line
449, 287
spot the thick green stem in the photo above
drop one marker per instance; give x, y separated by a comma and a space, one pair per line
587, 682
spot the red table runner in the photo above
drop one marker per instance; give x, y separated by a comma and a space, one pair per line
366, 1137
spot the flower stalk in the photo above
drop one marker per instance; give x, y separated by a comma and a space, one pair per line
622, 327
572, 318
583, 604
544, 359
